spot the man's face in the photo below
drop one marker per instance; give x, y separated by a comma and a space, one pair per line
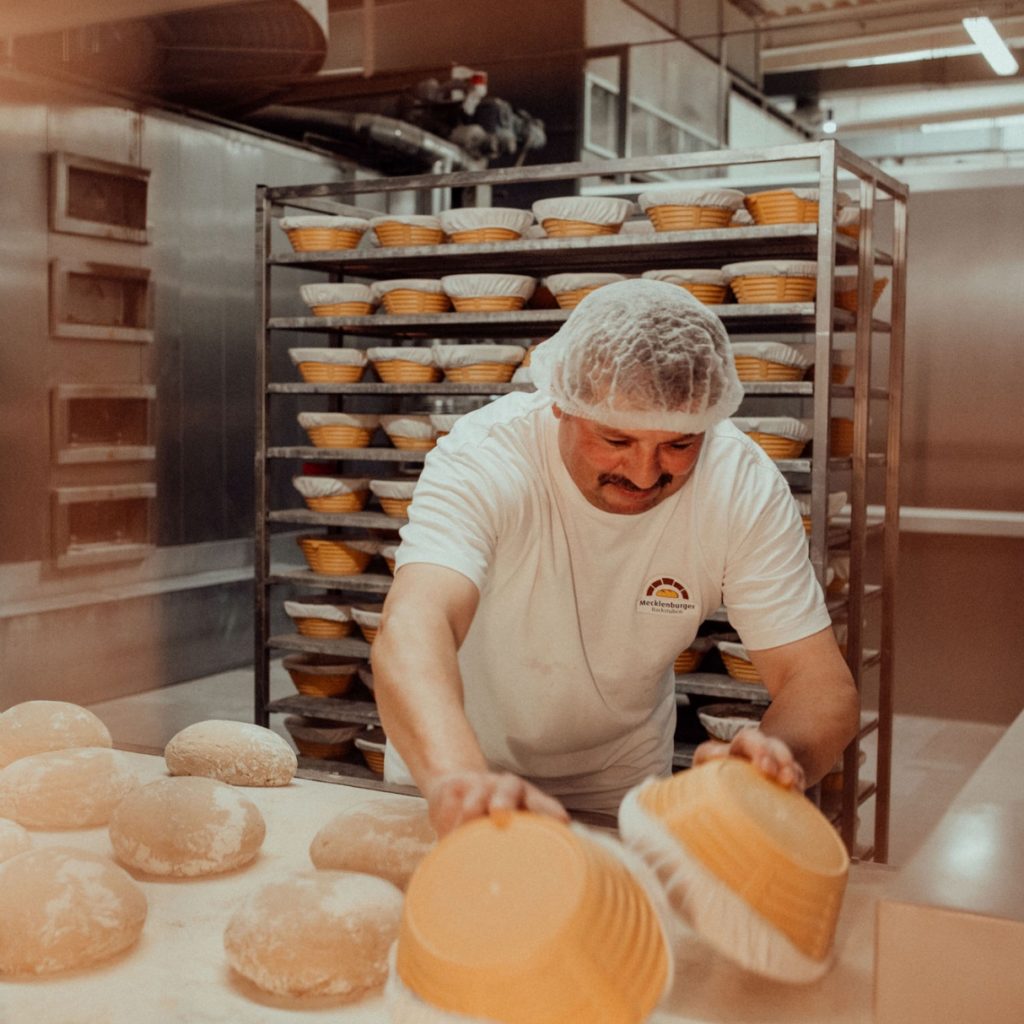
625, 471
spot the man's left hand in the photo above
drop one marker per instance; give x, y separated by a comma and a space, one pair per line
770, 755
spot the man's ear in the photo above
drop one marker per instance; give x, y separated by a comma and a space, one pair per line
557, 411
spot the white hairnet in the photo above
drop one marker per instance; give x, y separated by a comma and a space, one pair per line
641, 355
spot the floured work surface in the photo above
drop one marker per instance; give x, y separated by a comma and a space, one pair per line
178, 972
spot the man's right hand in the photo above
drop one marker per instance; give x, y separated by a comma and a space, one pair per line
462, 796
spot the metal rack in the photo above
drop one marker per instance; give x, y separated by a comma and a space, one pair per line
628, 253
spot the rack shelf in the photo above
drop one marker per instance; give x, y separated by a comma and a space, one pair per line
632, 252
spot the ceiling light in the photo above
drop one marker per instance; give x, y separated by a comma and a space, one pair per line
829, 126
907, 56
991, 45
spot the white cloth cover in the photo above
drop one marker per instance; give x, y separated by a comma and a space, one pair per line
365, 421
323, 294
444, 421
404, 425
591, 209
781, 426
328, 486
319, 220
479, 286
418, 220
735, 649
771, 268
334, 612
393, 488
366, 618
341, 356
412, 284
641, 355
559, 283
472, 217
773, 352
836, 501
724, 198
702, 275
471, 355
408, 354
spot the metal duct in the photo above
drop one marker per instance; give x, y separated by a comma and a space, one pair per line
224, 60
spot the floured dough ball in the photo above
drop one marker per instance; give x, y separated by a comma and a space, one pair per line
318, 933
186, 827
13, 839
238, 753
40, 725
387, 838
65, 788
64, 908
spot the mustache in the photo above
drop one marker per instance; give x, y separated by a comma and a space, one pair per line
627, 484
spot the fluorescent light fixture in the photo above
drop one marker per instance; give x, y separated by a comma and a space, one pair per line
911, 55
991, 44
971, 123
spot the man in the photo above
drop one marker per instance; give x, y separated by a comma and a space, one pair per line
564, 546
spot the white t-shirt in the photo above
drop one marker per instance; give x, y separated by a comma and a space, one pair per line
567, 666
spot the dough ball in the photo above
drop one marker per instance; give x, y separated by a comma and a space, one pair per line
238, 753
13, 839
387, 838
317, 933
40, 725
65, 788
64, 908
186, 827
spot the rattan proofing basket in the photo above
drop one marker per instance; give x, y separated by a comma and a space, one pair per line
316, 679
330, 373
343, 309
354, 501
333, 557
847, 298
739, 669
369, 632
490, 234
399, 301
322, 239
841, 437
687, 218
394, 232
773, 288
752, 368
776, 446
397, 507
322, 629
413, 444
338, 436
489, 304
571, 299
405, 371
482, 373
709, 294
687, 661
781, 206
558, 228
374, 758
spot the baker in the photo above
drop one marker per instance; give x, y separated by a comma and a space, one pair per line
564, 546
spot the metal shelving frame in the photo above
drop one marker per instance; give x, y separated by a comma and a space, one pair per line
628, 253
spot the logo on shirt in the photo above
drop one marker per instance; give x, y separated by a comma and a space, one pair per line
665, 595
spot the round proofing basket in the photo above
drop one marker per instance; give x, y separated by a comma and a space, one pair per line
773, 288
374, 758
557, 228
396, 507
319, 680
413, 444
322, 751
393, 232
768, 846
847, 299
339, 437
408, 300
333, 557
778, 447
687, 218
322, 239
709, 294
369, 632
489, 304
486, 935
343, 309
491, 234
405, 371
354, 501
687, 661
483, 373
752, 368
330, 373
322, 629
739, 669
571, 299
781, 206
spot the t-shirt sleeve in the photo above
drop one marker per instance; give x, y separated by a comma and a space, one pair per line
769, 587
455, 517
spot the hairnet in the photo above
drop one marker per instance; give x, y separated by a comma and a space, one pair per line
641, 355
